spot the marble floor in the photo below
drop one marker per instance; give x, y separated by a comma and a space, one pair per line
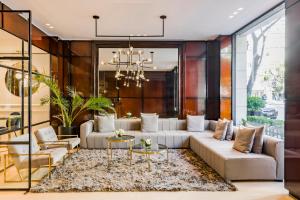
246, 191
263, 190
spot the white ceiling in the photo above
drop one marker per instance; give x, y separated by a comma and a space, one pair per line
164, 59
186, 19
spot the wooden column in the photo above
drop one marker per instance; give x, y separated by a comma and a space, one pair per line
292, 95
213, 80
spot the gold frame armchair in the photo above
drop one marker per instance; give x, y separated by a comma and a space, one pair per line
47, 138
49, 158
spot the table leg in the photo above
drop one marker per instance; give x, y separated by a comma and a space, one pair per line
148, 160
130, 152
167, 155
111, 152
108, 146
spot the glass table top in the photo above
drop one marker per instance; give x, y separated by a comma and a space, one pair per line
122, 138
155, 148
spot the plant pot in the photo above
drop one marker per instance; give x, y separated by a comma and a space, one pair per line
66, 130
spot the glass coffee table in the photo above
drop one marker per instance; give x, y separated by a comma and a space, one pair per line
154, 149
129, 139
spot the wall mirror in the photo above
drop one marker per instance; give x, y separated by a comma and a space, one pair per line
148, 84
13, 80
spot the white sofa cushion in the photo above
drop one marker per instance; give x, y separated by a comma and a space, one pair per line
149, 123
195, 123
105, 123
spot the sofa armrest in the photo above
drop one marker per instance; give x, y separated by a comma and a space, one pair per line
85, 129
275, 147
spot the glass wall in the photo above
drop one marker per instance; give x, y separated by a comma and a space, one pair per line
14, 100
259, 73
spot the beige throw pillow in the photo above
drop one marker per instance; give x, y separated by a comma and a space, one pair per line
244, 140
221, 129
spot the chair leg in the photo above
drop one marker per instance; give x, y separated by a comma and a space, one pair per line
49, 167
5, 168
20, 175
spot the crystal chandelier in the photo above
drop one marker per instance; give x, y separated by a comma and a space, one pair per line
132, 69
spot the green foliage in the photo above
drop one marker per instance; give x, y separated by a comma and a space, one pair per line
255, 103
71, 106
265, 120
274, 78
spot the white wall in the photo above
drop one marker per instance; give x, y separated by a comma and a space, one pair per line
241, 79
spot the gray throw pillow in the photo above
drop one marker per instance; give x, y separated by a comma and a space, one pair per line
195, 123
221, 129
149, 123
105, 123
244, 140
229, 132
258, 139
212, 125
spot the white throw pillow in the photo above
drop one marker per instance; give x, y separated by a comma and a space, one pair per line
149, 123
105, 123
195, 123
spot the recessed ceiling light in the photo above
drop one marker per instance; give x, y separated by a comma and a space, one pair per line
47, 24
231, 16
235, 13
51, 27
240, 9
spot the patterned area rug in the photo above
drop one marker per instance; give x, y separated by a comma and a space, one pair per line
87, 171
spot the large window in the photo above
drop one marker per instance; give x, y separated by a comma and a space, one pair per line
259, 73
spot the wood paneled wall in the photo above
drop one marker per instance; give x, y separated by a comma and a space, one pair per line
225, 76
292, 95
156, 96
194, 96
199, 78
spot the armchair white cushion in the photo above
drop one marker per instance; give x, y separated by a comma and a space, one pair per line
39, 157
48, 136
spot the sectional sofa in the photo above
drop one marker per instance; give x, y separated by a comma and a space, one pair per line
229, 163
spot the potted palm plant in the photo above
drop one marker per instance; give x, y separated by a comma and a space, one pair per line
72, 105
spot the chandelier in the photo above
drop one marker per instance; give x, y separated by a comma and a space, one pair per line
132, 69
